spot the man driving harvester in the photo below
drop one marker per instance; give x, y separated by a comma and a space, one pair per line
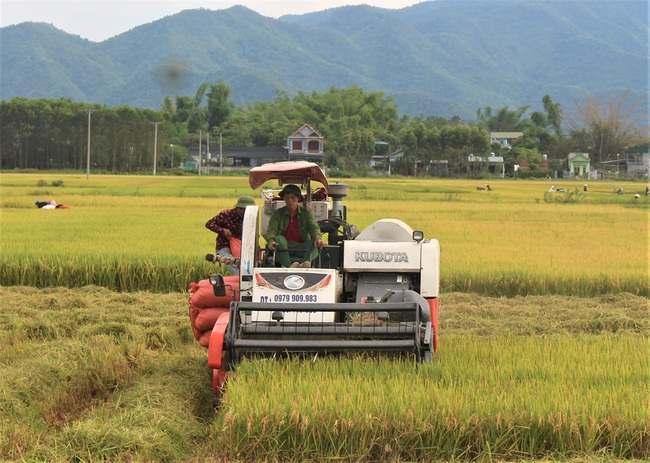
293, 229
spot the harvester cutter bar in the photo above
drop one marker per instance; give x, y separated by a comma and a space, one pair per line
333, 329
355, 334
340, 307
308, 345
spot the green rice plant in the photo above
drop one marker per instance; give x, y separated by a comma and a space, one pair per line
117, 274
515, 283
575, 196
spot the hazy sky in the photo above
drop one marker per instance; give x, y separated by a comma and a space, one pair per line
98, 20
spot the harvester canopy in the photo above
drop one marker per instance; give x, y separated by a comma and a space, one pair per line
299, 172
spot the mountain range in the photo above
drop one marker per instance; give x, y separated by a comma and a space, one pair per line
436, 58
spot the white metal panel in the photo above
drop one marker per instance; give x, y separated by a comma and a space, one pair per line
267, 210
249, 248
320, 209
430, 277
379, 256
392, 230
325, 291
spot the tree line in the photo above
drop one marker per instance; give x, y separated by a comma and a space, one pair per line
53, 134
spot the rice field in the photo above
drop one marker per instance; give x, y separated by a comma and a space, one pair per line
544, 323
133, 233
89, 374
501, 397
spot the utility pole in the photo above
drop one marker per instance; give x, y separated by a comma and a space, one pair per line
207, 154
89, 111
155, 146
200, 135
220, 153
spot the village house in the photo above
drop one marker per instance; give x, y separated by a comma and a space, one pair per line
504, 138
634, 163
494, 165
578, 165
305, 144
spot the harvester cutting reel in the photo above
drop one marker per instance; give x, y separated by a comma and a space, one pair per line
398, 323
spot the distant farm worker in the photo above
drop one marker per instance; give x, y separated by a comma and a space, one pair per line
584, 187
228, 226
50, 205
294, 228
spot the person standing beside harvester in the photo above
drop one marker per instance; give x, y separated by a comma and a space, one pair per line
228, 225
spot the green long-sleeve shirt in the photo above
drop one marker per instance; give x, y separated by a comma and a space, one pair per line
309, 229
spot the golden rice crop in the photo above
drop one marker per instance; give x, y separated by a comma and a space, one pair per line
89, 374
503, 396
135, 233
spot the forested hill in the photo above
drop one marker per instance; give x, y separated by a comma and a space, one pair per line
441, 58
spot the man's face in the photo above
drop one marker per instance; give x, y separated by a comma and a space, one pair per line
290, 198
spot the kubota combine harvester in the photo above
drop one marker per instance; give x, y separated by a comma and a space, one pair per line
370, 291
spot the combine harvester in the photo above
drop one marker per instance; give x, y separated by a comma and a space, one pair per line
371, 291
